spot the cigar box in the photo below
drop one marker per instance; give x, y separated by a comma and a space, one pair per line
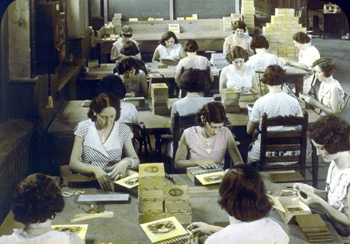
146, 217
176, 192
151, 206
151, 194
177, 206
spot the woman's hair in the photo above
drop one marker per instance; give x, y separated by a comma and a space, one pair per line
239, 24
259, 41
101, 102
128, 64
129, 49
273, 75
236, 52
126, 31
166, 36
327, 65
243, 194
194, 80
112, 84
332, 132
37, 198
301, 38
211, 112
191, 46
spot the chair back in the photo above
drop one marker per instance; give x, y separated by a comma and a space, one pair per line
141, 139
287, 146
344, 103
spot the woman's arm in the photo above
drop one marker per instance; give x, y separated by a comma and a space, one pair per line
144, 85
223, 80
156, 55
297, 64
183, 54
255, 86
251, 127
235, 155
335, 102
226, 47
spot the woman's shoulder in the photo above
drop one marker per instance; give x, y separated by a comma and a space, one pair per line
85, 123
230, 38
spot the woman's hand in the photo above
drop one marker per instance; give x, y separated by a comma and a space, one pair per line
102, 178
119, 169
309, 198
200, 228
308, 99
206, 163
303, 187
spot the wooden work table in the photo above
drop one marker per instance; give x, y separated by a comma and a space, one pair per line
124, 226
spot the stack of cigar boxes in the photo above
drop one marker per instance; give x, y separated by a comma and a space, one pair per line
227, 21
280, 32
160, 97
248, 13
177, 203
117, 22
230, 100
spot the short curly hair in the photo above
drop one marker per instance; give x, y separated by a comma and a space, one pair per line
129, 49
37, 198
327, 65
128, 64
101, 102
191, 46
194, 80
331, 132
239, 24
112, 84
259, 41
212, 112
301, 38
243, 194
236, 52
273, 75
166, 36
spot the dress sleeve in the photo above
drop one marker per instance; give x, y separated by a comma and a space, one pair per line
74, 239
80, 129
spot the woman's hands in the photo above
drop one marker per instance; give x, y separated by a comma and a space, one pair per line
102, 178
303, 187
308, 99
206, 163
119, 169
309, 198
200, 228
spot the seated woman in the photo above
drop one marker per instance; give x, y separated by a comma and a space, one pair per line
307, 55
134, 78
240, 191
36, 202
238, 38
101, 140
330, 136
206, 145
114, 85
118, 45
262, 58
237, 74
330, 95
169, 49
275, 103
192, 60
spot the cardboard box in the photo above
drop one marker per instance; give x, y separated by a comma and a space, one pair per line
230, 94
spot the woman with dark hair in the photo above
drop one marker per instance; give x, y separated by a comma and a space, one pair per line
238, 38
36, 202
205, 145
192, 60
330, 136
275, 103
238, 75
169, 50
243, 197
126, 35
330, 95
262, 57
100, 142
134, 78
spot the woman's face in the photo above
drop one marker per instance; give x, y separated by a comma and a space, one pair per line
170, 42
238, 63
213, 128
319, 73
129, 74
328, 157
106, 117
298, 45
239, 32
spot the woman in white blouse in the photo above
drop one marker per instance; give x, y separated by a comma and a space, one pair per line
238, 38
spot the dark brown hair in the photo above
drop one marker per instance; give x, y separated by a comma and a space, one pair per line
212, 112
239, 24
327, 65
194, 80
101, 102
301, 38
112, 84
243, 194
128, 64
166, 36
273, 75
191, 46
129, 49
37, 199
331, 132
236, 52
259, 41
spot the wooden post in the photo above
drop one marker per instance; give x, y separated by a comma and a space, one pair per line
171, 9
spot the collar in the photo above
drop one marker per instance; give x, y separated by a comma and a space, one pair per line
233, 220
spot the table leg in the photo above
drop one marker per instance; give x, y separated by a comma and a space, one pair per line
314, 168
299, 83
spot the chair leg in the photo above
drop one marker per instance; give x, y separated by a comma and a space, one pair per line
314, 168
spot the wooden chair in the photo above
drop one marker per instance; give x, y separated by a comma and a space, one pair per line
141, 139
284, 146
344, 103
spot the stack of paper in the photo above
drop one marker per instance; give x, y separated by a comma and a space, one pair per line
117, 22
219, 60
314, 228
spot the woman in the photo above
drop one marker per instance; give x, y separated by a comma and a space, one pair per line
330, 95
307, 55
330, 136
206, 145
118, 45
275, 103
192, 60
169, 49
243, 197
134, 78
262, 58
237, 74
101, 140
238, 38
36, 202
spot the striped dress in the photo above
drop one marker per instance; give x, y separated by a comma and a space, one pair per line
96, 153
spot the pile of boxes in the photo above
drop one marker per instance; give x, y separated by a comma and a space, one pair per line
226, 21
160, 97
117, 22
218, 60
230, 99
280, 32
157, 200
248, 13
